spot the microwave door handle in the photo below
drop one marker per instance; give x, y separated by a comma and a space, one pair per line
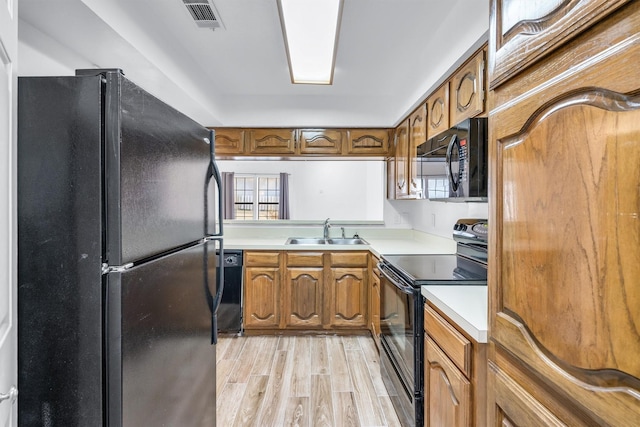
452, 142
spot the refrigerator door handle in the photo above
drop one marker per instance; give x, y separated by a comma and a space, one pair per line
214, 173
214, 301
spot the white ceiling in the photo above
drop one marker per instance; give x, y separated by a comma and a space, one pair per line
391, 53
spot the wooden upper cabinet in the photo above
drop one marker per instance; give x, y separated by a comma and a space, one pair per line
438, 111
401, 185
272, 141
525, 31
371, 142
321, 141
565, 300
467, 90
417, 135
229, 141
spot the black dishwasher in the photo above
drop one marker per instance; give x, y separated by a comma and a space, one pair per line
230, 311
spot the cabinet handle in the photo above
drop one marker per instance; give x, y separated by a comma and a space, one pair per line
443, 374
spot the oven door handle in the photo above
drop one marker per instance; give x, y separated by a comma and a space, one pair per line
396, 281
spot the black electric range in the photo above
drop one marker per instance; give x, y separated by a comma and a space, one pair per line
401, 310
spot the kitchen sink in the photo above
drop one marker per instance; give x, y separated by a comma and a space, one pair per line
321, 241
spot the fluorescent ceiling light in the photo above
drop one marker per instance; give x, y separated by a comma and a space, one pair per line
310, 30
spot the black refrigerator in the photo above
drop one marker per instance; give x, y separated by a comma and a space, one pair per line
119, 222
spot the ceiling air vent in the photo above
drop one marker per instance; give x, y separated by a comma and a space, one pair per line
203, 14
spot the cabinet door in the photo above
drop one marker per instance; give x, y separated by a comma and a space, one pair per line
467, 90
261, 297
229, 141
320, 141
348, 305
525, 31
447, 390
303, 300
371, 142
391, 178
565, 294
438, 111
417, 135
374, 307
401, 186
272, 141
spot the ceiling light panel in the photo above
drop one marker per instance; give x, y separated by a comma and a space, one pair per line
310, 30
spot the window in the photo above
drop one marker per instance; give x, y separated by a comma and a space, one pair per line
256, 197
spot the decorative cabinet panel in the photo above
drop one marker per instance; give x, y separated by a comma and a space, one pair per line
374, 301
447, 390
467, 90
391, 178
565, 300
229, 141
417, 135
272, 141
455, 374
372, 142
401, 185
262, 297
320, 141
438, 111
348, 305
303, 301
523, 32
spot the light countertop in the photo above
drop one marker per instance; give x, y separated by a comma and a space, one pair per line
467, 306
381, 241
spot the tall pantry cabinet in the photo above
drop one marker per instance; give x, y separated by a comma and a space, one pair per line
564, 278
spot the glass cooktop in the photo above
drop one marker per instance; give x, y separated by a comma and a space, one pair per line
437, 269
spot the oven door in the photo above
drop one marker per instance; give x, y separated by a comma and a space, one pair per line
400, 340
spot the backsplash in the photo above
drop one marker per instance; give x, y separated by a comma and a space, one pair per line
430, 217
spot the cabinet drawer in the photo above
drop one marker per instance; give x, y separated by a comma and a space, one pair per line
349, 259
454, 344
304, 259
262, 259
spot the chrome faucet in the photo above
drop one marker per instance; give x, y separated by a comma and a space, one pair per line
326, 228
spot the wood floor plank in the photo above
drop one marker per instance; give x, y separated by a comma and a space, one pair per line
343, 387
223, 369
228, 402
234, 348
321, 401
221, 347
340, 376
389, 412
246, 358
351, 342
319, 356
251, 401
346, 411
297, 412
372, 358
264, 358
301, 375
277, 391
365, 395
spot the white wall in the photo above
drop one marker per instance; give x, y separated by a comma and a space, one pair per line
340, 190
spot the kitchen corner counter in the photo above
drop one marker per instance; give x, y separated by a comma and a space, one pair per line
381, 241
467, 306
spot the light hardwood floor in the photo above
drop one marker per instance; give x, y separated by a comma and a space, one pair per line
301, 381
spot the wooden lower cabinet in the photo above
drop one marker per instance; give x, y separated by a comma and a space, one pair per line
455, 374
447, 390
261, 297
374, 301
301, 290
348, 306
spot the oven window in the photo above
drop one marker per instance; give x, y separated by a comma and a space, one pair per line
397, 328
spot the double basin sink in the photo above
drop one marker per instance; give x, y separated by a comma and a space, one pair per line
322, 241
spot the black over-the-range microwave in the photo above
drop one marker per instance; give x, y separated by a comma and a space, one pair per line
453, 166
